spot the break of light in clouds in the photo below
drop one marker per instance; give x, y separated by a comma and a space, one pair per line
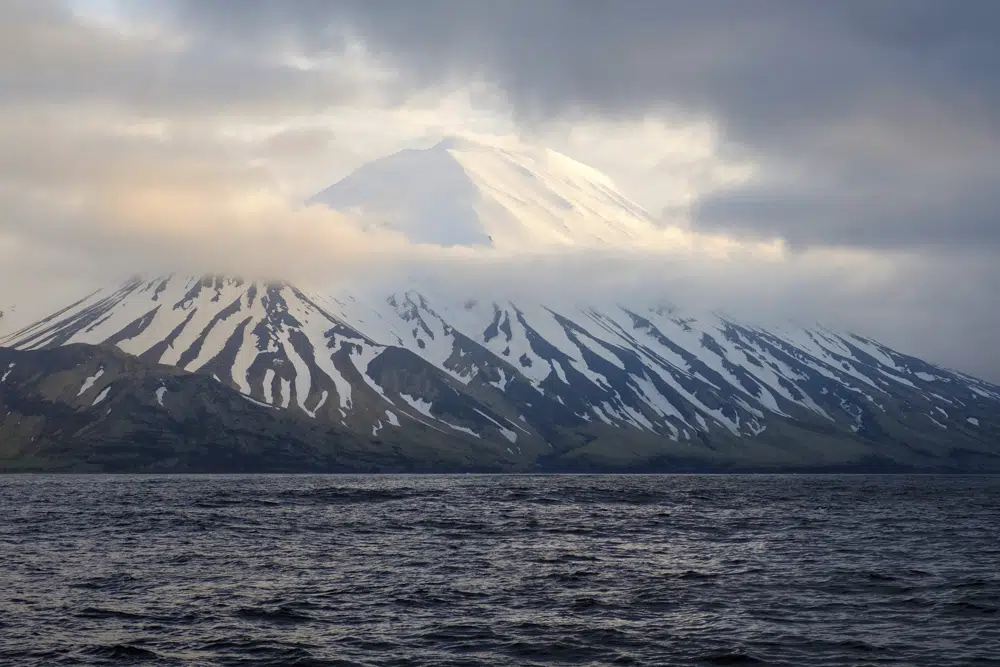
844, 154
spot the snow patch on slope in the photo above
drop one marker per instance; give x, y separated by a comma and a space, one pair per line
101, 396
89, 382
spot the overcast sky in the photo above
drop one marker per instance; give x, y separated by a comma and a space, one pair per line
860, 137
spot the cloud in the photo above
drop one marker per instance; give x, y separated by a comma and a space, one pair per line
833, 162
926, 305
827, 96
129, 203
51, 55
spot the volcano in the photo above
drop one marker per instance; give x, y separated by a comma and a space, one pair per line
415, 379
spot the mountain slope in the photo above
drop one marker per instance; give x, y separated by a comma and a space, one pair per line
82, 408
560, 386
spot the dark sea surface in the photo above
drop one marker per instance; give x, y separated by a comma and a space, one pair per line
499, 570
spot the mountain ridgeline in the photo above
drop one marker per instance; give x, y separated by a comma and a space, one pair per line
215, 373
421, 385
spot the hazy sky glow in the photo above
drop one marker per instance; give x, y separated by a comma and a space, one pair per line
848, 152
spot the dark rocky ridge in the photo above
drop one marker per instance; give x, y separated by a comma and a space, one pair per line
48, 424
202, 425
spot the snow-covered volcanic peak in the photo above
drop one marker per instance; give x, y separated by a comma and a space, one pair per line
495, 192
519, 373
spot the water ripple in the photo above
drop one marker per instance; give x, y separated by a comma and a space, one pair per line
499, 570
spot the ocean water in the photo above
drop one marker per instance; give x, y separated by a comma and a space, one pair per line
499, 570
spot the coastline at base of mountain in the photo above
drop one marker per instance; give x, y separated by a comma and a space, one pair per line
96, 409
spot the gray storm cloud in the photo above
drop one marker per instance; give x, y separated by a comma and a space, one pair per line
873, 128
885, 112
